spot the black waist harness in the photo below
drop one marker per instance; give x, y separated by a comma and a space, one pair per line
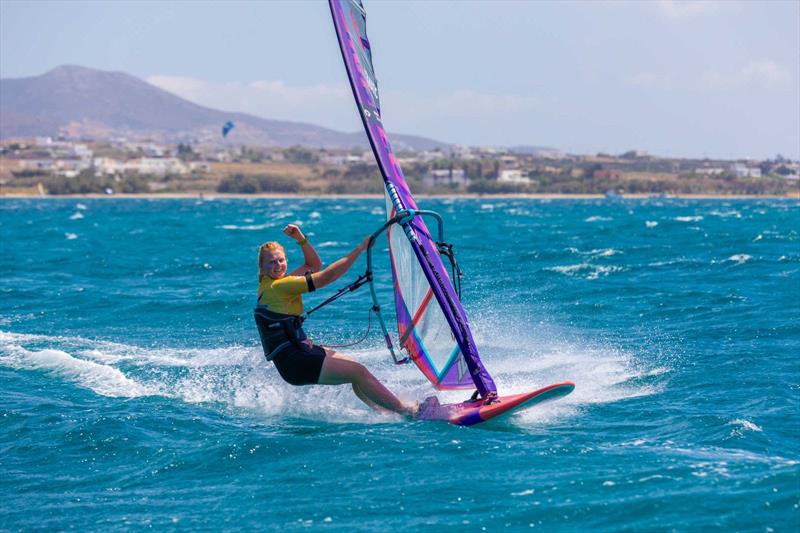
278, 331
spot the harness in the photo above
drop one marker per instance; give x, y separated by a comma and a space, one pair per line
278, 331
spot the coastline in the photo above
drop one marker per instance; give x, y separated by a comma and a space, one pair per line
458, 196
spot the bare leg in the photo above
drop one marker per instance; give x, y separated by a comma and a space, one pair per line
363, 397
338, 369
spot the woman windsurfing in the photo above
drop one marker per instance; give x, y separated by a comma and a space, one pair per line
278, 318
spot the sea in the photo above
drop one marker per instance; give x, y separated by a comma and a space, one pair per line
135, 394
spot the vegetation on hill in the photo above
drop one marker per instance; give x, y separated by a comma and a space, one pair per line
251, 184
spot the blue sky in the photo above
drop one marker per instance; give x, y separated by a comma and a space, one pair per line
691, 78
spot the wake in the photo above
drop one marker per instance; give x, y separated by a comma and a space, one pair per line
237, 379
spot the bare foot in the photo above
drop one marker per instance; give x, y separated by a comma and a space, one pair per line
411, 409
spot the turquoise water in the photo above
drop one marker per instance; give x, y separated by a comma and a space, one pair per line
135, 394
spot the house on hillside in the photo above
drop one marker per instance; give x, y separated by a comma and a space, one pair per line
709, 171
158, 166
513, 176
508, 161
107, 165
740, 170
445, 178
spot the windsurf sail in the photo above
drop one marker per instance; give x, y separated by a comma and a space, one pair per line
431, 322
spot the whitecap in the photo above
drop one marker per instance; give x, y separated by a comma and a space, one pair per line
585, 270
695, 218
598, 218
254, 227
102, 379
314, 214
739, 259
81, 207
71, 236
76, 216
608, 252
726, 214
651, 223
526, 492
596, 252
745, 425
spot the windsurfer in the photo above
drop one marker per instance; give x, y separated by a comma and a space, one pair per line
278, 312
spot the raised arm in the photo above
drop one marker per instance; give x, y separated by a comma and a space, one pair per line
337, 269
312, 262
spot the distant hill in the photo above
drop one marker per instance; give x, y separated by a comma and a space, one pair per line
81, 101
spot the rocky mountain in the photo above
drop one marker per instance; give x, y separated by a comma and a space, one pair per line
80, 101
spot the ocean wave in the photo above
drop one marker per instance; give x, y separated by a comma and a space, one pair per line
650, 223
585, 270
237, 377
76, 216
726, 214
598, 218
742, 425
100, 378
253, 227
232, 378
596, 252
739, 259
71, 236
694, 218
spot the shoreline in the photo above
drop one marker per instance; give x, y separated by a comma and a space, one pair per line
458, 196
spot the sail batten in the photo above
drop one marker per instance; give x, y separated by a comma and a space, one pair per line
432, 325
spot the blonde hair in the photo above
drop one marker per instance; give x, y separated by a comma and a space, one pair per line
262, 250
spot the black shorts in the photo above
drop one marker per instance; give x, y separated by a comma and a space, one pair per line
300, 366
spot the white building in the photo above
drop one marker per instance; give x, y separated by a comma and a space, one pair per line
741, 170
343, 159
107, 165
71, 167
36, 164
82, 151
463, 152
709, 171
428, 156
158, 166
445, 178
513, 176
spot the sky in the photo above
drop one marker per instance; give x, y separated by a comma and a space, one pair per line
717, 79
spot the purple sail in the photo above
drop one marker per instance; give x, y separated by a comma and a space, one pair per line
432, 325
